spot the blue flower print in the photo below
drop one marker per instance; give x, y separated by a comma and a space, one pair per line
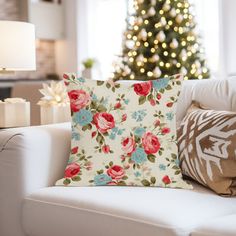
102, 179
170, 116
177, 162
82, 80
162, 167
115, 131
137, 174
139, 131
139, 156
126, 101
94, 97
75, 136
139, 115
160, 83
83, 117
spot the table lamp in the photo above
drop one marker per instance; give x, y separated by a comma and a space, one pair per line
17, 53
17, 46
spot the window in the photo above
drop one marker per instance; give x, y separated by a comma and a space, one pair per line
207, 18
106, 24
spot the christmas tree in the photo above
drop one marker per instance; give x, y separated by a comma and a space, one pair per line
160, 41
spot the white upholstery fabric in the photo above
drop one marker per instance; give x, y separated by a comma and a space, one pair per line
222, 226
30, 158
232, 92
114, 210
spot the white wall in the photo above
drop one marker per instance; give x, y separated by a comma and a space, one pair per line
66, 50
228, 37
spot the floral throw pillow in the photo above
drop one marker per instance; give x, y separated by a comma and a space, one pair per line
123, 134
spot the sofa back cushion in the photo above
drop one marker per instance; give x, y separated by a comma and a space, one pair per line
212, 93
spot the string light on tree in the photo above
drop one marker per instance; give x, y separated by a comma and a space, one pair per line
161, 40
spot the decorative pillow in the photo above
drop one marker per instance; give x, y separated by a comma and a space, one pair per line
207, 148
123, 134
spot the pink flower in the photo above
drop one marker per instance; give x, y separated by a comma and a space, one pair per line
169, 104
72, 170
124, 117
143, 89
166, 179
157, 123
165, 130
65, 76
151, 143
117, 105
93, 134
74, 150
128, 145
112, 183
103, 121
116, 172
88, 165
106, 149
78, 99
152, 102
158, 96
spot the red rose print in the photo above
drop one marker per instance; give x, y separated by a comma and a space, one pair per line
128, 145
151, 143
103, 121
169, 104
78, 99
117, 105
124, 117
143, 89
152, 102
112, 183
74, 150
165, 130
116, 172
166, 179
93, 134
157, 123
65, 76
66, 83
72, 170
158, 96
106, 149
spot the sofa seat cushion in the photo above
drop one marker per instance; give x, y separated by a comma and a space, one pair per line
222, 226
119, 211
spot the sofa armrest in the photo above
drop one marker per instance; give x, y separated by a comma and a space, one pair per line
30, 158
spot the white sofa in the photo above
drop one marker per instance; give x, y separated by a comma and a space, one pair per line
33, 158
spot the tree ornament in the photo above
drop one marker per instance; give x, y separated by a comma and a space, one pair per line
153, 2
166, 7
140, 1
183, 71
179, 18
174, 44
157, 72
139, 21
161, 36
163, 21
130, 44
151, 11
143, 34
172, 13
154, 58
140, 58
198, 64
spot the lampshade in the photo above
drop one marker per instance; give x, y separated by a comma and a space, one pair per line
17, 46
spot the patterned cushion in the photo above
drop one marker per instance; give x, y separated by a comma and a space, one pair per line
207, 148
123, 134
